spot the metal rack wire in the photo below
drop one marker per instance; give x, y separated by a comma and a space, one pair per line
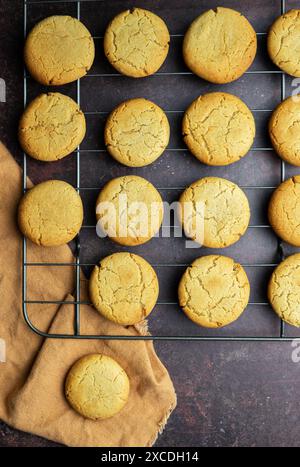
77, 264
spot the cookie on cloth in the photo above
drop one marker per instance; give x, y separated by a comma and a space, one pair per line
97, 387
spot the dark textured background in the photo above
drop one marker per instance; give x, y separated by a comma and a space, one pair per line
229, 394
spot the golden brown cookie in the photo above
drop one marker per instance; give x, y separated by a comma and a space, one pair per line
218, 128
215, 212
220, 45
284, 290
136, 42
129, 210
284, 211
284, 130
50, 213
51, 127
214, 291
97, 387
137, 132
284, 41
124, 288
58, 50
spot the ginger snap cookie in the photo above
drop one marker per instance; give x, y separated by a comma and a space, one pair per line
137, 132
284, 211
220, 45
129, 210
214, 291
218, 128
58, 50
97, 387
50, 213
124, 288
284, 290
283, 42
215, 212
284, 130
51, 127
136, 42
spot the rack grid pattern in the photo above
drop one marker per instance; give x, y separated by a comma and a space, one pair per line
77, 264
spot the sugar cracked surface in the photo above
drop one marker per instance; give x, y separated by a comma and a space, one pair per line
214, 291
284, 42
137, 132
220, 45
136, 42
124, 288
218, 128
284, 211
284, 290
225, 213
68, 41
51, 127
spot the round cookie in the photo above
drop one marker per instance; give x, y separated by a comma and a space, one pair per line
284, 290
129, 210
220, 45
284, 130
214, 291
51, 127
218, 128
137, 132
284, 211
215, 212
124, 288
50, 213
283, 42
58, 50
136, 42
97, 387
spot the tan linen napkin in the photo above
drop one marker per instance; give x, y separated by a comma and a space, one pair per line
32, 379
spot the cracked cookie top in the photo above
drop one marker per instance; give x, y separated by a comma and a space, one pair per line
58, 50
218, 128
284, 290
129, 210
284, 130
51, 127
220, 45
214, 211
136, 42
214, 291
137, 132
97, 387
50, 213
284, 42
284, 211
124, 288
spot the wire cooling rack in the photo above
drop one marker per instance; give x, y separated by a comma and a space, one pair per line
77, 264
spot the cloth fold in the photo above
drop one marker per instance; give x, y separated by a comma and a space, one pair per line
32, 378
